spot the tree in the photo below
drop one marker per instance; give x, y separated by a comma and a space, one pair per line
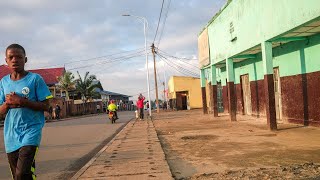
87, 87
66, 83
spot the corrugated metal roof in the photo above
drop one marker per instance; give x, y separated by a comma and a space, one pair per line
113, 93
49, 75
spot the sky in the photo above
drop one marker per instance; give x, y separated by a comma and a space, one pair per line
93, 36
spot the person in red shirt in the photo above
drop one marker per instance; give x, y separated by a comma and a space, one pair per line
140, 101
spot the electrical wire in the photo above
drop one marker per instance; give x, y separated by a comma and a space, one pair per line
123, 58
180, 67
176, 69
164, 23
158, 21
176, 56
93, 58
143, 92
184, 61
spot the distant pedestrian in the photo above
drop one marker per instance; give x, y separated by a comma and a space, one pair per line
50, 111
140, 101
147, 105
163, 106
57, 111
98, 108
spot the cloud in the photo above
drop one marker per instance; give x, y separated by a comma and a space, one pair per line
83, 35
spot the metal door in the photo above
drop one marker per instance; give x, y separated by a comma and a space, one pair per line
246, 94
219, 98
277, 93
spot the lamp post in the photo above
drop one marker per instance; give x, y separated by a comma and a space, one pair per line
145, 25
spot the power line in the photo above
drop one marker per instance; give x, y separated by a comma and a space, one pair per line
167, 54
120, 59
143, 92
105, 56
164, 23
177, 65
158, 21
179, 68
176, 69
112, 60
93, 58
184, 61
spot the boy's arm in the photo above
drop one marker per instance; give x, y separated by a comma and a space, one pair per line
4, 108
14, 99
35, 105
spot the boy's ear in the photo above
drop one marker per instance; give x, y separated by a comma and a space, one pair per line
25, 60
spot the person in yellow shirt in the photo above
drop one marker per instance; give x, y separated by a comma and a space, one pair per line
114, 108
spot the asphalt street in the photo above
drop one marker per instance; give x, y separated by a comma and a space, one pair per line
68, 144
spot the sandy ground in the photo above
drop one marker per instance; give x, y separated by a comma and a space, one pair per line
200, 146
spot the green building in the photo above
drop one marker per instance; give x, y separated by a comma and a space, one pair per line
264, 55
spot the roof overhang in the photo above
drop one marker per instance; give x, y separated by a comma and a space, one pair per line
298, 34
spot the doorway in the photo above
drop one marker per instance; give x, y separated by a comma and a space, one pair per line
182, 100
277, 93
245, 85
219, 98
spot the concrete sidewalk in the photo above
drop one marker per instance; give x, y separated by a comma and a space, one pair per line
135, 153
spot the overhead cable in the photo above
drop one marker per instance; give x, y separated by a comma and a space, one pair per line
158, 21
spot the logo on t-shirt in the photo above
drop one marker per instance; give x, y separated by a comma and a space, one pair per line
25, 91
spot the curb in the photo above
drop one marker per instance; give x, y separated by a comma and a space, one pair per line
88, 164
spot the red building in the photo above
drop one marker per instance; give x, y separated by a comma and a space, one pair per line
50, 75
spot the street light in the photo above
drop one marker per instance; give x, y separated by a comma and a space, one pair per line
145, 25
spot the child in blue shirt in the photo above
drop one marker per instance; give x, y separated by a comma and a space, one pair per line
23, 98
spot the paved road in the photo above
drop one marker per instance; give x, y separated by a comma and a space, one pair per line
67, 145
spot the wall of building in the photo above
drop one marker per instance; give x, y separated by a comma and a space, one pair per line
253, 22
171, 90
69, 108
190, 84
299, 68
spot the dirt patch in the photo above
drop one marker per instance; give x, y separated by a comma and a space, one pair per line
199, 137
203, 147
306, 171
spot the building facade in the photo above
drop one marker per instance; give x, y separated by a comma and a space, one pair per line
265, 54
184, 93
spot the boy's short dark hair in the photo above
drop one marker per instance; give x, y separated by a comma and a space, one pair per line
16, 46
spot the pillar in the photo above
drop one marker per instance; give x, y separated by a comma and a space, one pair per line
213, 93
231, 89
203, 91
269, 85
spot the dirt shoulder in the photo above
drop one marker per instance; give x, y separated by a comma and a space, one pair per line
200, 146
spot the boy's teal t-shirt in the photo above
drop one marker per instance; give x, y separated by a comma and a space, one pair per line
23, 126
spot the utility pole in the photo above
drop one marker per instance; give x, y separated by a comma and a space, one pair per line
165, 81
164, 93
155, 76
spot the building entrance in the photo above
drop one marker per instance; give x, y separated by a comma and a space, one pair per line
245, 85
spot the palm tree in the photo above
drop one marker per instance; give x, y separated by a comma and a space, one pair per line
87, 87
66, 83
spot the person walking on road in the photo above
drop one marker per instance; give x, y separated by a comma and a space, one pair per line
50, 111
140, 101
23, 98
57, 111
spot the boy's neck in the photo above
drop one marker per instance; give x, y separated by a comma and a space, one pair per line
18, 75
